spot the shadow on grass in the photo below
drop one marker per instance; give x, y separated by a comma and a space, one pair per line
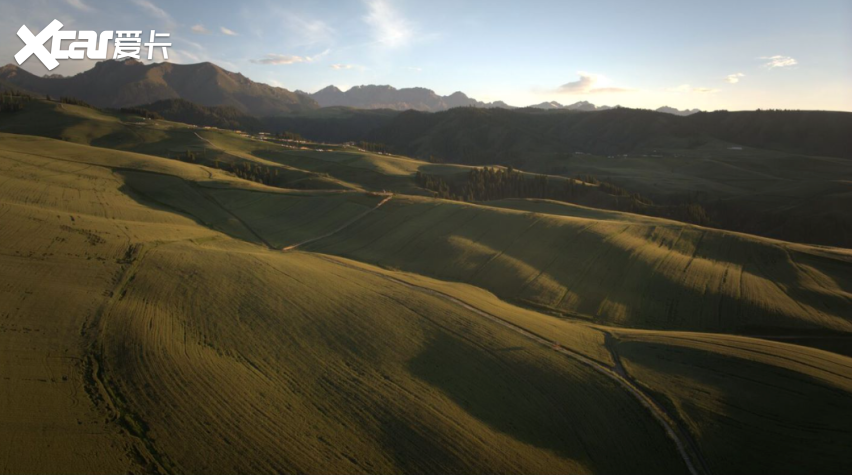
577, 415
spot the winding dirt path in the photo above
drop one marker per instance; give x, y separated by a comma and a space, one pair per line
686, 447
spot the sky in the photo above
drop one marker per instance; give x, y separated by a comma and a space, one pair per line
733, 55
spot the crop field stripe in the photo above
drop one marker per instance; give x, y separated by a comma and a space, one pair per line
659, 413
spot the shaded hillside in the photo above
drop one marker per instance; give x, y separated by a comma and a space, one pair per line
480, 136
117, 84
332, 124
225, 117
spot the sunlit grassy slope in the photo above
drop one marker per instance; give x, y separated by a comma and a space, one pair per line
190, 348
148, 321
612, 268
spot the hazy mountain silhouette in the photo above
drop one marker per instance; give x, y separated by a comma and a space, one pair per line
672, 110
128, 83
388, 97
582, 106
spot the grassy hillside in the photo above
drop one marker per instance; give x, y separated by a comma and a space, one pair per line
478, 136
735, 393
779, 195
611, 268
188, 342
186, 348
780, 174
180, 110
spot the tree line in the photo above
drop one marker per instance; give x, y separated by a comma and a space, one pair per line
13, 101
251, 171
144, 113
375, 147
493, 183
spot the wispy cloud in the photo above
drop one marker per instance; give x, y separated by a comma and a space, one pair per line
78, 4
200, 29
415, 69
343, 66
280, 59
154, 10
734, 78
686, 88
586, 84
228, 32
778, 61
309, 31
387, 26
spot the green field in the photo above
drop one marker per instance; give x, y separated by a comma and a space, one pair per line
152, 321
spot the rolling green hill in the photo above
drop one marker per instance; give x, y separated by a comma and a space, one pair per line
611, 268
187, 341
296, 352
779, 195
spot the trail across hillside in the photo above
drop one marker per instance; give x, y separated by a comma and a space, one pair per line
681, 439
341, 228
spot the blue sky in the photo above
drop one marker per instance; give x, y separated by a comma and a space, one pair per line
709, 55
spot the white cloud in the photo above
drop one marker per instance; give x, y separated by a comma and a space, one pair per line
78, 4
416, 70
343, 66
586, 85
686, 88
778, 61
734, 78
200, 29
228, 32
388, 27
279, 59
154, 10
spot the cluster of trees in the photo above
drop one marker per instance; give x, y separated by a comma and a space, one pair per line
74, 102
13, 101
289, 136
251, 171
189, 156
493, 183
145, 113
373, 147
487, 183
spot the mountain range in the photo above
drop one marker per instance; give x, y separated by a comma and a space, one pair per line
117, 84
388, 97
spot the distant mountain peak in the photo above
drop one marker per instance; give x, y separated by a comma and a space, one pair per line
373, 96
672, 110
129, 82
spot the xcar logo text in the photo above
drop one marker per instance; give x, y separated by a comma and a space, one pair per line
128, 44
